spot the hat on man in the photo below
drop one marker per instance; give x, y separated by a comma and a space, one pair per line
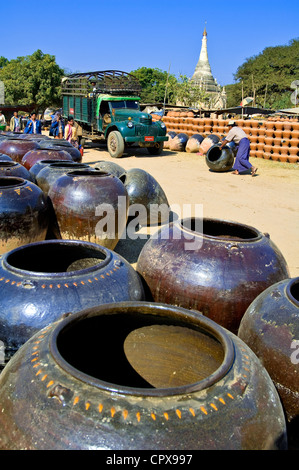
231, 123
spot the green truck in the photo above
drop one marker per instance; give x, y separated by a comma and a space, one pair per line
106, 105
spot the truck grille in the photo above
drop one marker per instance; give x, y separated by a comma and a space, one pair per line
146, 120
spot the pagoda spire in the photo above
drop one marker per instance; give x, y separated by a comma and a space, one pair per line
203, 73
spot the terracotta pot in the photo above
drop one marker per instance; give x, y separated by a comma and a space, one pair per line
279, 126
293, 158
34, 156
11, 168
24, 216
40, 282
146, 197
293, 151
286, 134
259, 153
220, 160
270, 327
135, 396
278, 134
267, 148
214, 266
50, 173
90, 205
16, 149
275, 156
268, 140
283, 158
208, 141
260, 146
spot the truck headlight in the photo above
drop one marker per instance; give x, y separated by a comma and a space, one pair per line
130, 124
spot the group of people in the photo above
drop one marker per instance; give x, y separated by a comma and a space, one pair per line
71, 131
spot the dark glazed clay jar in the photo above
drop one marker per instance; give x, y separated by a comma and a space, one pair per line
48, 175
270, 327
40, 164
17, 148
88, 375
35, 156
214, 266
220, 160
24, 215
110, 167
5, 158
90, 205
11, 168
75, 153
146, 197
42, 281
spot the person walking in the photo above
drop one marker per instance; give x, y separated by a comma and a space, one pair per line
33, 125
15, 124
239, 137
2, 119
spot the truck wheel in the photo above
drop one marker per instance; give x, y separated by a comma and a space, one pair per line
156, 150
115, 144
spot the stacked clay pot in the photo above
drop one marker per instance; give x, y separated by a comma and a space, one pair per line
193, 144
11, 168
90, 205
42, 281
50, 173
37, 155
24, 213
214, 266
17, 148
107, 377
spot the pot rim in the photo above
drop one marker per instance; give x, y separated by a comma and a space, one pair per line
289, 286
258, 236
191, 320
53, 275
18, 182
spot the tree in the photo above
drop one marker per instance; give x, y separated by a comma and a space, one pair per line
153, 83
33, 79
3, 61
267, 77
189, 94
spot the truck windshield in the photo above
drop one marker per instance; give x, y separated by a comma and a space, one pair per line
125, 104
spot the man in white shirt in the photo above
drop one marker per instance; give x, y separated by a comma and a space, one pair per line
237, 135
2, 119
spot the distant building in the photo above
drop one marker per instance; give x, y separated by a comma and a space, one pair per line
203, 78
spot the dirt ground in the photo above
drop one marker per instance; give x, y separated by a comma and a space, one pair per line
269, 201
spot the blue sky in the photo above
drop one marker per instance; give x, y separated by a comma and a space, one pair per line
95, 35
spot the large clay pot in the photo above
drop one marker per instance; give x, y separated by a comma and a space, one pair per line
42, 281
208, 142
24, 216
40, 164
74, 152
34, 156
90, 205
220, 160
214, 266
270, 327
11, 168
5, 158
146, 196
170, 135
110, 167
179, 142
50, 173
193, 144
107, 378
16, 149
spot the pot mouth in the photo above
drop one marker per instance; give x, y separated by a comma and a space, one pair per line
220, 229
11, 182
52, 258
292, 290
214, 153
142, 349
67, 164
4, 163
93, 173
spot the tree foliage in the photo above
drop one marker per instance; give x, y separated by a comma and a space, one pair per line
153, 83
33, 79
267, 77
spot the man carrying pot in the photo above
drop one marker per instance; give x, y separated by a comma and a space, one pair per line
237, 135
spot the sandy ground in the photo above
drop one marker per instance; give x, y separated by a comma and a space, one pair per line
269, 201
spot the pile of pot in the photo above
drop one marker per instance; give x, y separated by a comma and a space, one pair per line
149, 358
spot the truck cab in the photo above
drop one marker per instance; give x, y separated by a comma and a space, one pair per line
106, 105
